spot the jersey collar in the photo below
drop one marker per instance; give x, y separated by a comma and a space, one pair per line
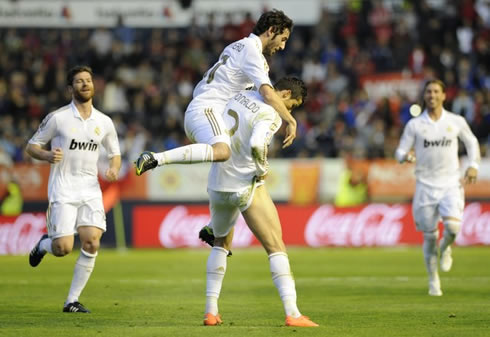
76, 113
426, 116
257, 41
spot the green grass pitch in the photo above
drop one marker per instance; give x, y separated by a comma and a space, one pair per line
349, 292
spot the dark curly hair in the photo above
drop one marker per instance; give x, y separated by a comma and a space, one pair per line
297, 87
75, 70
274, 18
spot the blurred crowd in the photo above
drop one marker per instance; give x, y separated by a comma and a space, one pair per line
144, 78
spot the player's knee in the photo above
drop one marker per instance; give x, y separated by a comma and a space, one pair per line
221, 152
61, 248
453, 226
91, 246
431, 236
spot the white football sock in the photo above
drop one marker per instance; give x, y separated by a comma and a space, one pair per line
189, 154
284, 282
46, 245
451, 227
447, 240
430, 252
83, 268
215, 272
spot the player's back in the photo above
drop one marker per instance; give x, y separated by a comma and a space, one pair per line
243, 113
241, 65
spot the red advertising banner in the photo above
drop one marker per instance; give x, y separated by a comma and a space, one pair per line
19, 234
315, 226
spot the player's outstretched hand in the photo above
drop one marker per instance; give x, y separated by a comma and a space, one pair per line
470, 175
55, 155
111, 174
290, 134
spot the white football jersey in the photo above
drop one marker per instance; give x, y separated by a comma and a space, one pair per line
75, 177
436, 148
251, 124
241, 65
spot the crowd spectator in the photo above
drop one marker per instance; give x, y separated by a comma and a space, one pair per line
147, 75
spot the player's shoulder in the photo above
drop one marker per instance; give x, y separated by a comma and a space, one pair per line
414, 121
454, 117
243, 45
60, 112
101, 116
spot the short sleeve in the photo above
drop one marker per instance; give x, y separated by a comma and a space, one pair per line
46, 130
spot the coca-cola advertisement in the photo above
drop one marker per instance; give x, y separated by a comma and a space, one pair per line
19, 234
315, 226
178, 226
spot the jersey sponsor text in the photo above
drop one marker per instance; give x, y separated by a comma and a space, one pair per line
89, 146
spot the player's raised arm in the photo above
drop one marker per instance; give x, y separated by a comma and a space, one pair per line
271, 98
259, 143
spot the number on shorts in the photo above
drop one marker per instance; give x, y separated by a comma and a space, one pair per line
224, 58
233, 114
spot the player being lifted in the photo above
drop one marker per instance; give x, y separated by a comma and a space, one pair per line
237, 185
75, 133
241, 65
438, 192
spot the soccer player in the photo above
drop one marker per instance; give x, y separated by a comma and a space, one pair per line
237, 185
438, 192
75, 132
241, 65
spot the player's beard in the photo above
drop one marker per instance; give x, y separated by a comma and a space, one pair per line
268, 50
83, 96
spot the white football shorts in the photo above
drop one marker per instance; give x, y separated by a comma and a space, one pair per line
431, 204
63, 219
225, 207
204, 124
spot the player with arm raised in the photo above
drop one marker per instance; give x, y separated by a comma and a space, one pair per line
75, 133
241, 65
237, 185
438, 192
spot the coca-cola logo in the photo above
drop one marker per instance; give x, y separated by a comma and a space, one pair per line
21, 234
373, 225
181, 229
476, 226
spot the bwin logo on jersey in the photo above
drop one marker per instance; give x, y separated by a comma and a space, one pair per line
88, 146
438, 142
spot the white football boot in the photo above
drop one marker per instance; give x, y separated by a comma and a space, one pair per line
435, 285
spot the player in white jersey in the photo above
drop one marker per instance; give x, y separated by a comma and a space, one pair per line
438, 193
237, 185
241, 65
74, 134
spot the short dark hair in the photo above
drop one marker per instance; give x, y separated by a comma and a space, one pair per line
274, 18
75, 70
297, 87
435, 81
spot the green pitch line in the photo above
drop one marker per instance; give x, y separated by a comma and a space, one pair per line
349, 292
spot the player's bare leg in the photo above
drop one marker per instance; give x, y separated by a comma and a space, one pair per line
263, 221
90, 240
452, 226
